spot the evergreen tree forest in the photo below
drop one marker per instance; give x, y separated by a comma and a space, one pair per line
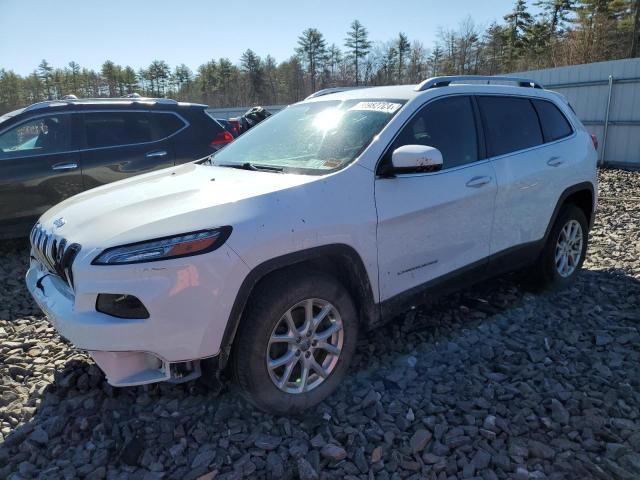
560, 32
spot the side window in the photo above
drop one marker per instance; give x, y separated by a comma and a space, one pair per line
109, 129
48, 134
554, 124
165, 124
447, 124
510, 123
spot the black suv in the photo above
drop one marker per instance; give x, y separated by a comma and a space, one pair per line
52, 150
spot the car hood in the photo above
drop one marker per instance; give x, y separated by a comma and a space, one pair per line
172, 201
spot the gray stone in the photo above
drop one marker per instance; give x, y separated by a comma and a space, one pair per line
203, 459
333, 452
267, 442
39, 436
420, 439
481, 459
558, 412
306, 471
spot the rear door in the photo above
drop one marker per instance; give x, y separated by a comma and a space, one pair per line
120, 144
39, 167
433, 224
527, 182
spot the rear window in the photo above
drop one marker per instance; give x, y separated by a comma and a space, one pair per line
110, 129
511, 124
554, 124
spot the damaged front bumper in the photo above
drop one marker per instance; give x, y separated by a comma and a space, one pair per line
91, 330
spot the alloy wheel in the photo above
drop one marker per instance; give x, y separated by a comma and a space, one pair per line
305, 346
569, 248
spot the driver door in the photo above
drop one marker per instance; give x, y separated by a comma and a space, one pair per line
434, 224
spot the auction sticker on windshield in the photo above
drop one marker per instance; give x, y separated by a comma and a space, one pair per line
386, 107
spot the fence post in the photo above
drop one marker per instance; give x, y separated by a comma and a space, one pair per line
606, 123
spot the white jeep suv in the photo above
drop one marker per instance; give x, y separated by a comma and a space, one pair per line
324, 220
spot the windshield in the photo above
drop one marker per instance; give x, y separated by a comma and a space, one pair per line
311, 137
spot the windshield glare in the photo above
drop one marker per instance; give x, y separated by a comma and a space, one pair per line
316, 136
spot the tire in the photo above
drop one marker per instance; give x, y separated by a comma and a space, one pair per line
265, 316
546, 272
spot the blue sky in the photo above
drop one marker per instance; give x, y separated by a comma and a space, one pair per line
195, 31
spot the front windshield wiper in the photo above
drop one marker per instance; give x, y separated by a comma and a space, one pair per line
251, 166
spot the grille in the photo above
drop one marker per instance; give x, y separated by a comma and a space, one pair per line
54, 252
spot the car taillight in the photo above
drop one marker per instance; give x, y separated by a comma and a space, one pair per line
594, 139
235, 126
222, 138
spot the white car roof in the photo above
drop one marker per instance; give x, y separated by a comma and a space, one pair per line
399, 92
408, 92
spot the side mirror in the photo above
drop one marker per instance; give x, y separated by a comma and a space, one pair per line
416, 158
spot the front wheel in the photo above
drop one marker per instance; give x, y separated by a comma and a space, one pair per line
565, 250
295, 341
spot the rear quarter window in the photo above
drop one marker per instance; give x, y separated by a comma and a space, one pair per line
166, 124
554, 124
511, 124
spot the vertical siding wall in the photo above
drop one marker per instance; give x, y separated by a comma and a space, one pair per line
587, 89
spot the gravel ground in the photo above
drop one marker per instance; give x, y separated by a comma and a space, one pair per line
496, 382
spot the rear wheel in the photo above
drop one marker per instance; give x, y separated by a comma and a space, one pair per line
295, 341
565, 250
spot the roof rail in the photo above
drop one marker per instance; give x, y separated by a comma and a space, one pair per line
327, 91
71, 101
435, 82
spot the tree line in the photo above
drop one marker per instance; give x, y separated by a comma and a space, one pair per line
562, 32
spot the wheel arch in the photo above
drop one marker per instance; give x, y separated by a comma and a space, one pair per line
339, 260
583, 196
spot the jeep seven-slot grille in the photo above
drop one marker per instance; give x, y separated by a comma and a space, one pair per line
55, 253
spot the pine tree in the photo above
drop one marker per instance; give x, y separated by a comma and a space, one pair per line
518, 22
635, 35
74, 71
225, 75
252, 66
312, 50
556, 13
10, 91
435, 60
403, 48
358, 46
390, 64
182, 75
601, 28
271, 79
108, 71
494, 42
129, 80
45, 73
334, 58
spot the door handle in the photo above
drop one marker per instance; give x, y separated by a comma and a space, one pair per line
64, 166
157, 153
555, 162
477, 182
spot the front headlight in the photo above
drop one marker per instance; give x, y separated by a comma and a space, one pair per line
194, 243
